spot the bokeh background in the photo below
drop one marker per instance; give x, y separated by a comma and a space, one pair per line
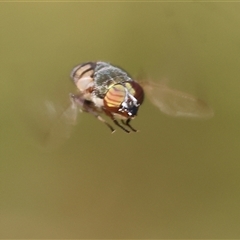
176, 178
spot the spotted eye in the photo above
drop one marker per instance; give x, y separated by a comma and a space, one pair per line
115, 96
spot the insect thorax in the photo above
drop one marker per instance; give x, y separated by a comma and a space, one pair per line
105, 75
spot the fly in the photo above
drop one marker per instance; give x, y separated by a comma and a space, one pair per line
104, 88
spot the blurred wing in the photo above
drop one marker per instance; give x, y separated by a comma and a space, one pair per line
62, 122
176, 103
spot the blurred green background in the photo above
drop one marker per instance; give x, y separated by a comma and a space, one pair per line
176, 178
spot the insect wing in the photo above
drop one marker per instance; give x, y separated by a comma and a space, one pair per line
62, 122
176, 103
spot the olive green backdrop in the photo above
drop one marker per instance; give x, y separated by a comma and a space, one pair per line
176, 178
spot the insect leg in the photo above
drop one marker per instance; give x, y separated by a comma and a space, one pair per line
119, 125
102, 120
127, 123
108, 113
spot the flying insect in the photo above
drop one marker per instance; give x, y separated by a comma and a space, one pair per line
105, 88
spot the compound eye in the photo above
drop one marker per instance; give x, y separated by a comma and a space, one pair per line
115, 96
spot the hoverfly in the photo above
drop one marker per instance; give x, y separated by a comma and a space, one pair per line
104, 88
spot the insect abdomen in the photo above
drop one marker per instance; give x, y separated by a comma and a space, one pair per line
82, 75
